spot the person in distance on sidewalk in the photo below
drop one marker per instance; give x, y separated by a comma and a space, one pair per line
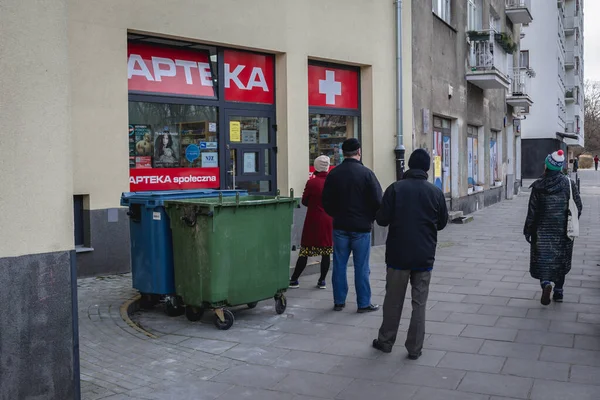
546, 227
318, 226
415, 210
352, 196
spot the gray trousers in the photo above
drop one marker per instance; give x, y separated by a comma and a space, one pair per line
395, 291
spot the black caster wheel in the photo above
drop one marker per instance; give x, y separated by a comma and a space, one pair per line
226, 323
148, 301
174, 309
194, 313
280, 304
252, 305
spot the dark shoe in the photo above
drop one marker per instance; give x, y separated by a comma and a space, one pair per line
546, 292
377, 345
557, 296
369, 308
294, 284
338, 307
415, 356
321, 285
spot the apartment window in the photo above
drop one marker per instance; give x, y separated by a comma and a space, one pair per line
475, 15
441, 8
79, 220
524, 59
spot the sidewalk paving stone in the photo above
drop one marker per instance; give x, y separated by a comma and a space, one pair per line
487, 336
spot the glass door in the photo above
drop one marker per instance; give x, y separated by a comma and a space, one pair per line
250, 151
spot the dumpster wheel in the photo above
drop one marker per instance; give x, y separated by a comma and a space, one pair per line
194, 313
252, 305
223, 319
280, 304
174, 308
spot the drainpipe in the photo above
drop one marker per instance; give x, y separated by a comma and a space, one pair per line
400, 149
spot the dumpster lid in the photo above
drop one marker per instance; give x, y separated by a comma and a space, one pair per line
157, 198
231, 201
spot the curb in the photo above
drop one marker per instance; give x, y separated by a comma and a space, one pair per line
129, 306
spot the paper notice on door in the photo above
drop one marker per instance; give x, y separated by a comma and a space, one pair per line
437, 163
249, 163
234, 131
249, 136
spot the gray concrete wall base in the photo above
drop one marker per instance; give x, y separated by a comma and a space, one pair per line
108, 236
37, 357
477, 201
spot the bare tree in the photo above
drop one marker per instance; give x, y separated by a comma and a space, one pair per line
591, 103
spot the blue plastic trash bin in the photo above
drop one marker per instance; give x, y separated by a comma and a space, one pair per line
151, 242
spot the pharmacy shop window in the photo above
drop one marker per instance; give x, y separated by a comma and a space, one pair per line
176, 145
328, 132
334, 109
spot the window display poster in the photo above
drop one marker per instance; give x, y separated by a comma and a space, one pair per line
210, 159
212, 126
250, 163
166, 150
493, 161
437, 151
471, 179
249, 136
437, 165
446, 164
143, 139
234, 131
475, 161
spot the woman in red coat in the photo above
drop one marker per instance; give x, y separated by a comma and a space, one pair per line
318, 226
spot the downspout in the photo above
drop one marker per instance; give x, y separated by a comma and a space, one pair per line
400, 149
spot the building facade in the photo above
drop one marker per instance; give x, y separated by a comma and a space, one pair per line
246, 107
114, 96
553, 48
468, 94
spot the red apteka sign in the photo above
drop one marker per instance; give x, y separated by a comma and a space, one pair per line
332, 87
155, 179
166, 70
249, 77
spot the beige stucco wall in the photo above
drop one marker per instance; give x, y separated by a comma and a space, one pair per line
36, 213
357, 32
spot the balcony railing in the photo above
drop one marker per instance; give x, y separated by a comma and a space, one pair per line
520, 90
570, 127
520, 82
569, 25
569, 59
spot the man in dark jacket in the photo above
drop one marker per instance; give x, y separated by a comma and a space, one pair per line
352, 196
415, 210
546, 227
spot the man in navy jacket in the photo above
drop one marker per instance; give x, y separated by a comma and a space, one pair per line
352, 196
415, 210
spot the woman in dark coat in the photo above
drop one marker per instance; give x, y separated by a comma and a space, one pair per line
318, 226
546, 227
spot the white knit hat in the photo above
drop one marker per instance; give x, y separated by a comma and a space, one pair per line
322, 163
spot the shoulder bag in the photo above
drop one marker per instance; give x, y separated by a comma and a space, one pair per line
573, 215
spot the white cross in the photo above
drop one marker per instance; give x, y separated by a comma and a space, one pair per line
330, 87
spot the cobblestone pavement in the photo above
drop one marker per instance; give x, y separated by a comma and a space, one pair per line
488, 337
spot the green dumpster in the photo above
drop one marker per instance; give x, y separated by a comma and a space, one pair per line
231, 251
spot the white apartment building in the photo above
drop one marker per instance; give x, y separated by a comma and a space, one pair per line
553, 48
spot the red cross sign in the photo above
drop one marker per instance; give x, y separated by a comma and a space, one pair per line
332, 87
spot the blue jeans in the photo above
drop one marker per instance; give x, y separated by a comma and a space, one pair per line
359, 244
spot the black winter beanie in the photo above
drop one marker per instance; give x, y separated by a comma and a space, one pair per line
419, 159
